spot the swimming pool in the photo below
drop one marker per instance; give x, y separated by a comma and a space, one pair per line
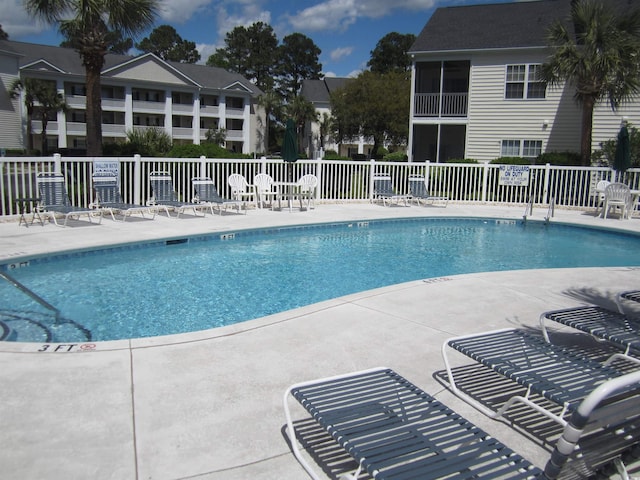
209, 281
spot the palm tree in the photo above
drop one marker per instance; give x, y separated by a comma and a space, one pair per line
302, 111
89, 25
29, 87
597, 52
272, 104
50, 102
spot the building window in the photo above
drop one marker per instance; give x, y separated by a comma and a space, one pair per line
530, 148
522, 81
510, 148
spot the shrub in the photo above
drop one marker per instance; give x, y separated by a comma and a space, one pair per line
209, 150
510, 161
559, 158
395, 157
460, 160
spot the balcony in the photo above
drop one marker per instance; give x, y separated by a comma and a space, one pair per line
440, 105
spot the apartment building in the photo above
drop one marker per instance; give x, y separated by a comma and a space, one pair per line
138, 92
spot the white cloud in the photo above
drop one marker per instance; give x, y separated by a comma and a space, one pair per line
179, 11
340, 14
15, 21
340, 53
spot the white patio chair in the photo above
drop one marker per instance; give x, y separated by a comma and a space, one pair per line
307, 185
264, 189
241, 189
617, 195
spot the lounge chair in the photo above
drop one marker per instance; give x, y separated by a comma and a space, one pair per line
561, 375
419, 193
241, 189
54, 199
394, 430
617, 328
307, 185
109, 198
383, 190
207, 193
263, 184
164, 195
630, 295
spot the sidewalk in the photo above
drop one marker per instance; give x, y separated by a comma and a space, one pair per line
208, 405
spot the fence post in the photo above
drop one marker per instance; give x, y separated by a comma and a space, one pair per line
485, 180
137, 180
427, 172
57, 163
545, 191
202, 169
319, 176
372, 169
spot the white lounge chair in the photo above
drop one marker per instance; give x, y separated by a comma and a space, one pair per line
207, 193
54, 200
109, 198
383, 190
164, 195
395, 430
419, 193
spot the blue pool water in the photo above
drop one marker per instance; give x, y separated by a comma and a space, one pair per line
205, 282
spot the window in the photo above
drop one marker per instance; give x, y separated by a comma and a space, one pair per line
510, 148
522, 81
530, 148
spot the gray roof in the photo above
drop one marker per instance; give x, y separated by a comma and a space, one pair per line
319, 91
68, 61
494, 26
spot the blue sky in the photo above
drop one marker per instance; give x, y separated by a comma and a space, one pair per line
345, 30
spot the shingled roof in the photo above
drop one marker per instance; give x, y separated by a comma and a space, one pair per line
319, 91
496, 26
68, 61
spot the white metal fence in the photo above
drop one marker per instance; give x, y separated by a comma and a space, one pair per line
339, 181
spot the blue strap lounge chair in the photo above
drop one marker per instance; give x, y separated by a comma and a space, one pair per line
617, 328
419, 193
109, 198
164, 195
207, 194
54, 199
383, 190
557, 373
394, 430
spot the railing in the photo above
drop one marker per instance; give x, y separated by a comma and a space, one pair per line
339, 181
440, 105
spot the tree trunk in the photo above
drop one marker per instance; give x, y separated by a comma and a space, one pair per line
29, 132
94, 111
43, 138
588, 105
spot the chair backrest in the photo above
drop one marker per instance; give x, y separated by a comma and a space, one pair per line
382, 185
604, 427
162, 187
237, 183
263, 182
106, 189
600, 188
617, 192
52, 190
308, 182
418, 187
206, 190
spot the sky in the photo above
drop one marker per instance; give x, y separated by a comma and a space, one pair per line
346, 31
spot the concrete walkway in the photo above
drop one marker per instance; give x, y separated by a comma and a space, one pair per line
208, 405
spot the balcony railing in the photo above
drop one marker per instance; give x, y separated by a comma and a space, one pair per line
339, 181
440, 105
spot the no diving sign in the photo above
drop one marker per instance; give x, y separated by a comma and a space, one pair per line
514, 175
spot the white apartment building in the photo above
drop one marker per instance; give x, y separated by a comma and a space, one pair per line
185, 100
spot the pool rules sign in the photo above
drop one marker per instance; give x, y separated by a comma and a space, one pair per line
514, 175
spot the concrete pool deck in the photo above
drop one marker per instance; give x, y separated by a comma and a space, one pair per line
208, 405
